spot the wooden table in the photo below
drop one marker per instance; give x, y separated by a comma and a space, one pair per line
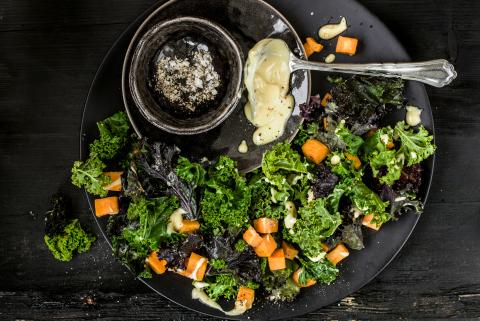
49, 52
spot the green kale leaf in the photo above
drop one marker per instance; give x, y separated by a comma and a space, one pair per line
224, 285
376, 153
351, 141
416, 146
72, 240
284, 168
314, 224
113, 136
192, 173
226, 198
262, 204
322, 271
89, 174
153, 216
368, 202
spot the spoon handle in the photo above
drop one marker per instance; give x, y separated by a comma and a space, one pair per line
437, 73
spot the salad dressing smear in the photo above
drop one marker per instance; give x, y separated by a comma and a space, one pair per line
267, 79
199, 294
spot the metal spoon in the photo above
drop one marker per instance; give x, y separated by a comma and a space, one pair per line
437, 73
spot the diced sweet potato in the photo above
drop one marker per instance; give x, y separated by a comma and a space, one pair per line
277, 260
367, 221
116, 184
247, 295
289, 251
158, 266
189, 226
308, 50
266, 247
357, 163
315, 150
251, 237
347, 45
336, 255
106, 206
326, 99
316, 47
196, 267
265, 225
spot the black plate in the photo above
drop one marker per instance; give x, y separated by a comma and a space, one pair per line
377, 44
248, 21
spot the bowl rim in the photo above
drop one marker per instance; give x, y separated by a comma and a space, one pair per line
228, 106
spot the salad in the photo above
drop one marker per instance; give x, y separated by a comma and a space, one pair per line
288, 225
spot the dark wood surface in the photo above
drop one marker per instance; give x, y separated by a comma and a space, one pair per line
49, 52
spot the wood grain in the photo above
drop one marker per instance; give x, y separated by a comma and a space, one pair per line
49, 53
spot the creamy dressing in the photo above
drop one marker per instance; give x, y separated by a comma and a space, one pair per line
267, 79
176, 221
291, 217
243, 147
330, 58
413, 116
199, 294
332, 30
335, 160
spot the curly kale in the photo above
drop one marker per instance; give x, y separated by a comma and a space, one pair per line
322, 271
262, 204
410, 179
64, 237
416, 144
352, 236
224, 285
314, 224
363, 101
159, 161
226, 198
351, 141
72, 240
89, 174
192, 173
142, 230
113, 136
286, 172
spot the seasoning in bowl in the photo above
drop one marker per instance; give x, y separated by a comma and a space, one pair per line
188, 76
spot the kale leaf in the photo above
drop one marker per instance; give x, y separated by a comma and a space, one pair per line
192, 173
226, 198
72, 240
352, 236
416, 146
284, 169
363, 101
64, 237
224, 285
314, 224
351, 141
113, 136
158, 162
89, 174
322, 271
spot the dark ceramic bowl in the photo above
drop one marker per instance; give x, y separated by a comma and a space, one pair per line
144, 96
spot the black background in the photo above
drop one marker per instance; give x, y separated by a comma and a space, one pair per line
49, 52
